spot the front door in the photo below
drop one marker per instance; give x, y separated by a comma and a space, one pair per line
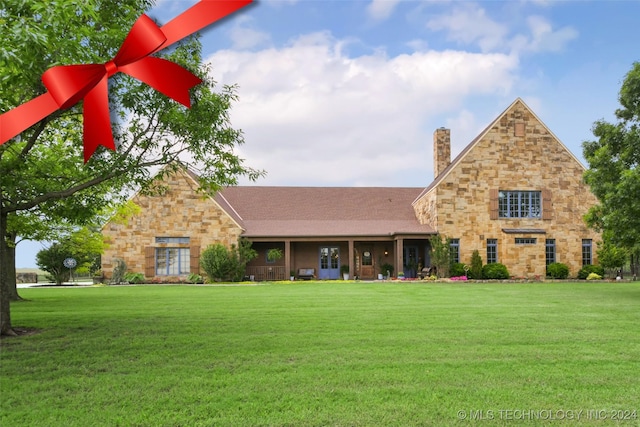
366, 265
410, 261
329, 263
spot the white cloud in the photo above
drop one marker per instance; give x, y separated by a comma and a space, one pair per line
243, 37
381, 9
543, 37
470, 24
314, 116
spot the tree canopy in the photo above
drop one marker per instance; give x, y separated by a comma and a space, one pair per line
614, 170
43, 177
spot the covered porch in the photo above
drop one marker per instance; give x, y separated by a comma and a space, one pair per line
364, 258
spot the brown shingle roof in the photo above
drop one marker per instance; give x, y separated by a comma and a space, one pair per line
324, 211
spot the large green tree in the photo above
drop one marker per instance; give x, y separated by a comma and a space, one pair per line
614, 171
42, 172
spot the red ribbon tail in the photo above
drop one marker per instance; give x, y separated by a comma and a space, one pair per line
164, 76
198, 16
17, 120
97, 125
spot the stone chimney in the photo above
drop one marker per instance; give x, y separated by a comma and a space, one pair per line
441, 150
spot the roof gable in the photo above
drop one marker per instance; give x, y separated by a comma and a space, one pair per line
518, 104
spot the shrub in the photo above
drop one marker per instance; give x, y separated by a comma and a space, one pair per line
386, 269
594, 276
134, 278
222, 264
557, 270
456, 270
476, 266
495, 271
194, 278
588, 269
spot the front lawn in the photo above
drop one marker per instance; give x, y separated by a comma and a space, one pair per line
325, 354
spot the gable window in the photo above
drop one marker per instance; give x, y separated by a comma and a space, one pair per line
454, 250
519, 204
550, 251
525, 241
587, 257
492, 251
172, 261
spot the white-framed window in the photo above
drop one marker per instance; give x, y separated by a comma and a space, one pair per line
519, 204
587, 251
175, 240
550, 251
492, 251
526, 241
454, 250
172, 261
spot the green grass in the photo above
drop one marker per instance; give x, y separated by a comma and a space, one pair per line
324, 354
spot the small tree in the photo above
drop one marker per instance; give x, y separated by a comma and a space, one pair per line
440, 255
612, 257
476, 266
222, 264
215, 261
51, 260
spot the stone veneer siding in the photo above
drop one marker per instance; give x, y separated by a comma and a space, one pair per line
460, 205
179, 212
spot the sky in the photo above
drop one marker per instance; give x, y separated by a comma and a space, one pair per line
349, 92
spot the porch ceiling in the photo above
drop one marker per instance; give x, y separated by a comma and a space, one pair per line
319, 228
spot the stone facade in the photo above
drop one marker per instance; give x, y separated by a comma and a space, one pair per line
517, 152
441, 150
179, 212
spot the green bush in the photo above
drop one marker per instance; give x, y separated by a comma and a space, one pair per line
195, 278
476, 266
386, 269
557, 270
588, 269
456, 270
51, 260
594, 276
495, 271
134, 278
222, 264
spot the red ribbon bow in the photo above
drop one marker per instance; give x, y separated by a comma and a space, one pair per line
68, 84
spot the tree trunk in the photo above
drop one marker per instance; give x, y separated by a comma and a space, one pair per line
11, 269
5, 303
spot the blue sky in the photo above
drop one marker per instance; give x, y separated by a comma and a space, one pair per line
348, 93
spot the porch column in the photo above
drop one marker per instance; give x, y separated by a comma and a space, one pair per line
287, 257
399, 254
352, 259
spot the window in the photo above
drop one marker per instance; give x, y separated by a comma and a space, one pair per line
172, 261
492, 251
519, 204
367, 259
525, 241
550, 251
586, 252
172, 240
454, 250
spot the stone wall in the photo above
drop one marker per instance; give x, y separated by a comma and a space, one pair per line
518, 153
179, 212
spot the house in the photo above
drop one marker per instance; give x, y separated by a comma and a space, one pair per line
515, 194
